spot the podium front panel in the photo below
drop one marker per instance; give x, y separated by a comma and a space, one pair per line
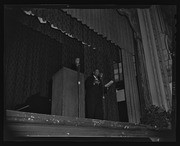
65, 100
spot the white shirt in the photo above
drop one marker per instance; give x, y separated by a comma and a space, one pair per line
96, 80
95, 77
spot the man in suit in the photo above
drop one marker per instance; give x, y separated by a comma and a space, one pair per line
94, 94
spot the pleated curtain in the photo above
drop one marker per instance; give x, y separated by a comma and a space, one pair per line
106, 22
131, 89
29, 65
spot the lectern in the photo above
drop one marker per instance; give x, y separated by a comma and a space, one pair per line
65, 99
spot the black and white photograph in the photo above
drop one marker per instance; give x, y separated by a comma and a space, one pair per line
89, 72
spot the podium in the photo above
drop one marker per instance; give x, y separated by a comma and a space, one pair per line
65, 101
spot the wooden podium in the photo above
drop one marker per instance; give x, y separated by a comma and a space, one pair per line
65, 94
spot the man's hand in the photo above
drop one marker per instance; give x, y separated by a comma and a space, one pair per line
96, 82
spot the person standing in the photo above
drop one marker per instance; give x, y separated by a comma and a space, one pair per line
94, 91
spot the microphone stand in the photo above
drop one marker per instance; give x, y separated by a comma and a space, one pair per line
103, 98
78, 80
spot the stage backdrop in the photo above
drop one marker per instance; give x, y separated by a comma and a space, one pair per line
36, 51
31, 58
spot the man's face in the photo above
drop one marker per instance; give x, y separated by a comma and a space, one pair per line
96, 72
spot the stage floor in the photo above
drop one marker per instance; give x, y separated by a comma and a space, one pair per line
31, 125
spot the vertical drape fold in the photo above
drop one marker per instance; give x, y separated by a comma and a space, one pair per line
131, 90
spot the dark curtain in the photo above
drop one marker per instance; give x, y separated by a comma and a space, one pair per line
37, 51
102, 57
107, 53
71, 50
31, 58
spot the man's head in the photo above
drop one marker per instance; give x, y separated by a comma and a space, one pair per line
96, 72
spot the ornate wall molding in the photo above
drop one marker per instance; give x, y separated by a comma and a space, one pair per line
152, 61
154, 42
161, 44
131, 14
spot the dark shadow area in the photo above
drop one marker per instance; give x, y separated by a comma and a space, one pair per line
36, 104
122, 107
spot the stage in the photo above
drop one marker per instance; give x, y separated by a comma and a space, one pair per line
24, 125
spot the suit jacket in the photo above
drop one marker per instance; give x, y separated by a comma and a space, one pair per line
94, 92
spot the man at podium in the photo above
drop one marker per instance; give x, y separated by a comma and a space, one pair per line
94, 95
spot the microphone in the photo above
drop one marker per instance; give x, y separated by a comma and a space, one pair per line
77, 61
